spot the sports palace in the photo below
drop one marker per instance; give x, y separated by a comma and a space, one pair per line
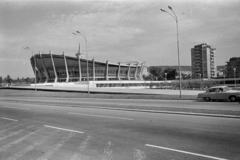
61, 70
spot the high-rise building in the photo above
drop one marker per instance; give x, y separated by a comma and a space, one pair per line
203, 61
233, 67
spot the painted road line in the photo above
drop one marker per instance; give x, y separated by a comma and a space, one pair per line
12, 134
30, 148
186, 152
16, 107
7, 146
77, 155
2, 131
138, 154
107, 153
56, 147
10, 119
64, 129
93, 115
9, 124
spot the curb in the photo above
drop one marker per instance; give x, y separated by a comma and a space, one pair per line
169, 112
157, 111
170, 96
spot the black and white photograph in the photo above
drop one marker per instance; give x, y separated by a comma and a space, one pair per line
119, 80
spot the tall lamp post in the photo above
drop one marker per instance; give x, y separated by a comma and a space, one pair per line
79, 33
179, 68
234, 72
33, 55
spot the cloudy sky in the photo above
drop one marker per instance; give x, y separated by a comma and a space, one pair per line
116, 30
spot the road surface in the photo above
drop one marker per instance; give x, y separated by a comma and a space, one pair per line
43, 131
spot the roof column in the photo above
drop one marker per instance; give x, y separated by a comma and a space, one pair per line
119, 68
128, 73
107, 70
66, 67
141, 71
55, 73
93, 69
37, 69
135, 75
38, 74
45, 70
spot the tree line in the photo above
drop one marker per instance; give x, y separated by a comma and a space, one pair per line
158, 74
21, 81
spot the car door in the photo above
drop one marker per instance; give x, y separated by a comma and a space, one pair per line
213, 93
221, 94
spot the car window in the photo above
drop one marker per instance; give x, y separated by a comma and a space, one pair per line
220, 90
213, 90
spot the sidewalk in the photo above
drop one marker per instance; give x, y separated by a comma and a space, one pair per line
110, 90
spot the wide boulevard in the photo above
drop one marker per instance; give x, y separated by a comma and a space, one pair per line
91, 129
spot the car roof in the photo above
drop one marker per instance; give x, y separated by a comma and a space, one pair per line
219, 87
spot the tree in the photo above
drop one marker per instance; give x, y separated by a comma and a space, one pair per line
9, 79
171, 73
27, 80
155, 72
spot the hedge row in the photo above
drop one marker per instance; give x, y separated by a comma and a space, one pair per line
191, 84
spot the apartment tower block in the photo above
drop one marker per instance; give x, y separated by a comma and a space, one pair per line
203, 61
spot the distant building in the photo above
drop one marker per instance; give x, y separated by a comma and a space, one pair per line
233, 63
60, 70
203, 61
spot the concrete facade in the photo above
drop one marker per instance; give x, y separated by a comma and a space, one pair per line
203, 61
52, 68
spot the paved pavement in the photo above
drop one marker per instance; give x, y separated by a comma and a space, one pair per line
30, 131
113, 90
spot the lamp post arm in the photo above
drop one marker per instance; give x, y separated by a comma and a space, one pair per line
175, 17
174, 14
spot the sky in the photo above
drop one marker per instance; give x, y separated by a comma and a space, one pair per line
116, 30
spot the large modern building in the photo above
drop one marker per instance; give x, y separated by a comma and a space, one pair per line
233, 68
52, 68
203, 61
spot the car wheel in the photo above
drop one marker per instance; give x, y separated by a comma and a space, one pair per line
233, 99
207, 99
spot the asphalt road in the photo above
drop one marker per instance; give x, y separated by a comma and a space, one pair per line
43, 131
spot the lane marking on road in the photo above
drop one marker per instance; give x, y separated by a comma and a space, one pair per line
107, 153
12, 134
9, 124
93, 115
63, 129
30, 147
7, 129
10, 119
78, 154
9, 145
56, 147
16, 107
186, 152
138, 154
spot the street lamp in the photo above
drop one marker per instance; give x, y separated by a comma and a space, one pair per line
33, 55
165, 76
224, 78
179, 68
234, 72
223, 72
79, 33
